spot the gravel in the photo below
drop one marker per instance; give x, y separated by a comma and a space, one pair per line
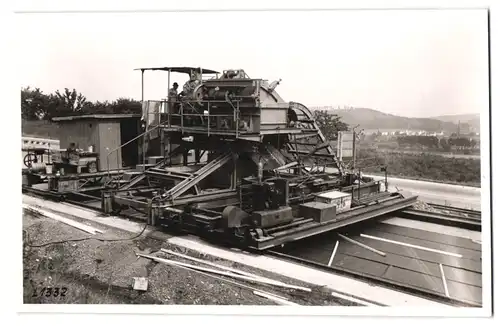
423, 206
101, 272
319, 296
420, 205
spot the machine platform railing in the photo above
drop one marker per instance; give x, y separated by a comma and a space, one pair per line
183, 115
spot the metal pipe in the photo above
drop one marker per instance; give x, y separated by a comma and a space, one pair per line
386, 183
142, 85
168, 97
354, 149
144, 137
359, 184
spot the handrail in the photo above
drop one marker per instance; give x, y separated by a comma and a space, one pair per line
128, 142
188, 102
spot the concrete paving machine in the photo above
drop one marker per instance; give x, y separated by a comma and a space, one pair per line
229, 159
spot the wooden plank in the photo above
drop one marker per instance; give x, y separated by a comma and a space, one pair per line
261, 293
445, 285
333, 254
243, 277
411, 245
229, 269
73, 223
361, 245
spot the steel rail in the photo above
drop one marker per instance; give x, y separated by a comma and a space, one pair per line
43, 193
473, 224
471, 213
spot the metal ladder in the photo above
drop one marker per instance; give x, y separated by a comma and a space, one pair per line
310, 119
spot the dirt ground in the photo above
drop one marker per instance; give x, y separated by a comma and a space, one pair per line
102, 272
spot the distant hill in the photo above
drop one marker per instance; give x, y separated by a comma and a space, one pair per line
473, 119
373, 119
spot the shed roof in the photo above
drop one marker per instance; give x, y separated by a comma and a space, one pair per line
97, 117
185, 70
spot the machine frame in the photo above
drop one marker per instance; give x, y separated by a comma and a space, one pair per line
264, 177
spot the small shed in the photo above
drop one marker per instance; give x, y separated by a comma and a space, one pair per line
104, 133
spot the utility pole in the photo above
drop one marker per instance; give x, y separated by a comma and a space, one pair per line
384, 169
354, 149
359, 184
355, 136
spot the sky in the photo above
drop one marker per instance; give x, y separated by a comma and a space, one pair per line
409, 63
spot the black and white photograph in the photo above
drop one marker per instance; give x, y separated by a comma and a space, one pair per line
192, 158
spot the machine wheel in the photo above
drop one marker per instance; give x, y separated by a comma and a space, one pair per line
29, 159
198, 94
258, 233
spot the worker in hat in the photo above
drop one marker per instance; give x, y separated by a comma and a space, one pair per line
172, 97
172, 93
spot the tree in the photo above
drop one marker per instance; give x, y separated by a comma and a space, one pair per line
125, 105
35, 105
460, 142
444, 144
329, 124
70, 102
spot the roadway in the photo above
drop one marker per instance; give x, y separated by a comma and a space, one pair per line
452, 155
438, 193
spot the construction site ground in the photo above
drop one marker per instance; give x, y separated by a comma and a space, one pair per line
101, 272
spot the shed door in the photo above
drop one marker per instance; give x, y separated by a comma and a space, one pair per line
109, 140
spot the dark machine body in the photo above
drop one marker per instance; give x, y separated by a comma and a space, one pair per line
230, 160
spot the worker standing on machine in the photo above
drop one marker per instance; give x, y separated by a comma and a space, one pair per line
172, 97
172, 93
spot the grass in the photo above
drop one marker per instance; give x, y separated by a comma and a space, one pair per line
41, 129
422, 166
